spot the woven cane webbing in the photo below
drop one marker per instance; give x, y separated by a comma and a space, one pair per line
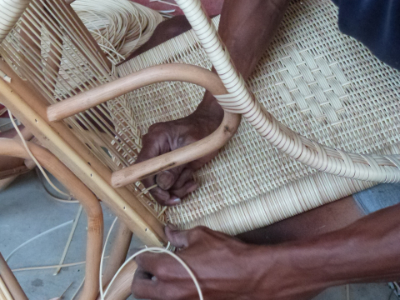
299, 196
317, 81
50, 48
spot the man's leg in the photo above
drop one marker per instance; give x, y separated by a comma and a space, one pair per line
327, 218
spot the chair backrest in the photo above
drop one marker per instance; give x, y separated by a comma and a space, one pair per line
47, 44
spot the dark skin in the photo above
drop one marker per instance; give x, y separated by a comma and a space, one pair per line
366, 250
247, 28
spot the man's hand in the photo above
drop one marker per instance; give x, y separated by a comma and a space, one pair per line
246, 27
365, 251
225, 268
176, 183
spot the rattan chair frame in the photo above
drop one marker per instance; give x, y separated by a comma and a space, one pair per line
27, 104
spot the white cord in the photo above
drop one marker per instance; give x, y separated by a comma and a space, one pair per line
119, 26
152, 250
36, 237
158, 250
71, 235
33, 157
72, 201
102, 295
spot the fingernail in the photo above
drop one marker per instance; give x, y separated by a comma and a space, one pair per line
177, 200
174, 201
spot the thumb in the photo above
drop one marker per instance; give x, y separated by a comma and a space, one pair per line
166, 179
177, 238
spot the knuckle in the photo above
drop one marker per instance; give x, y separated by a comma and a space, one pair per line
197, 232
147, 138
156, 127
201, 229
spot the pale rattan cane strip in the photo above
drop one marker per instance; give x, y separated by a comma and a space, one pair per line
241, 100
248, 167
293, 198
305, 194
48, 33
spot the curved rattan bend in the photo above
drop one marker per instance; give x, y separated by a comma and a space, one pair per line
91, 205
240, 100
168, 72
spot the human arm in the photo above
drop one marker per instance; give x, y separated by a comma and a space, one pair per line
365, 251
246, 27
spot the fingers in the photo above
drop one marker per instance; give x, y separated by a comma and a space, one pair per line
178, 182
189, 238
154, 145
143, 286
185, 176
164, 197
188, 188
167, 179
177, 238
173, 184
160, 267
148, 263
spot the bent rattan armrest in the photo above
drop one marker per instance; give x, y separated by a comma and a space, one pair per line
169, 72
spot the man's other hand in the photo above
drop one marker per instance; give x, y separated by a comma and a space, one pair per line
225, 267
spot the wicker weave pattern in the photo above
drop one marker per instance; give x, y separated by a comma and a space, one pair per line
248, 167
240, 100
314, 85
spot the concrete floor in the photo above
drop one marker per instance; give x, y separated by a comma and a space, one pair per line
26, 210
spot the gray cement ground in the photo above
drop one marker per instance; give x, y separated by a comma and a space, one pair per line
26, 210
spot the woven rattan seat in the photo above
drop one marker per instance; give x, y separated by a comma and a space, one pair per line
317, 81
327, 87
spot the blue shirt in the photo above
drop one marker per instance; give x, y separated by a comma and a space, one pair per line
375, 23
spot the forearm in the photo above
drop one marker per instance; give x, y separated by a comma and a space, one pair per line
366, 251
247, 28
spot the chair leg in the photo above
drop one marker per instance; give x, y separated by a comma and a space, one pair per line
89, 202
10, 281
118, 254
121, 288
29, 164
4, 183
